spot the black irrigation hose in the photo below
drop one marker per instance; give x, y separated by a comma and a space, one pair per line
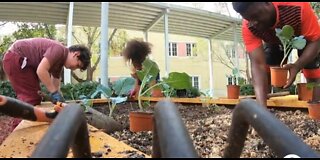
273, 132
170, 136
68, 129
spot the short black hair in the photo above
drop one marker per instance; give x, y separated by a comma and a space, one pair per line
241, 7
85, 55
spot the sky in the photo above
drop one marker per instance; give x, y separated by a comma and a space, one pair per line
9, 28
208, 6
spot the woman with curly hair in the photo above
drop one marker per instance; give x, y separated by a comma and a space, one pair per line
135, 53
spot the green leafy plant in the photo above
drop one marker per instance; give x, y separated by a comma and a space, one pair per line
6, 89
232, 79
205, 97
148, 74
289, 42
247, 89
311, 85
75, 91
117, 93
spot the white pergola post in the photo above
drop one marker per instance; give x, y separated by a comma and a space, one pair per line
145, 36
67, 72
166, 41
210, 66
104, 43
235, 50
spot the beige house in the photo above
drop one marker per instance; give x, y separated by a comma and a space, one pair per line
187, 54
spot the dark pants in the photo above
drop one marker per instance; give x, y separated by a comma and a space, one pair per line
25, 82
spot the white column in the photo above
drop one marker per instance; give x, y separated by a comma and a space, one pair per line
67, 72
104, 43
210, 66
235, 50
166, 41
146, 36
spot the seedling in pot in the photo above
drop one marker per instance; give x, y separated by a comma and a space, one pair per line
289, 42
148, 74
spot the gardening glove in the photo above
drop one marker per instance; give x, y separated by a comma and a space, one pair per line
293, 71
56, 97
59, 106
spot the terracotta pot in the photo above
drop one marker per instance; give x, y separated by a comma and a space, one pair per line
278, 76
156, 92
304, 93
233, 91
314, 110
141, 121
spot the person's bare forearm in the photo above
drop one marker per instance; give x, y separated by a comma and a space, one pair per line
260, 83
56, 82
309, 54
44, 76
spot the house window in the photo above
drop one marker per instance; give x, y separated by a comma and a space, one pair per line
233, 53
188, 49
230, 52
195, 81
191, 49
173, 49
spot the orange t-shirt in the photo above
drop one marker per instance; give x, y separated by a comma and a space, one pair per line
310, 27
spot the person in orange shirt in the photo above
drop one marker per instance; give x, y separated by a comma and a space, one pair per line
258, 30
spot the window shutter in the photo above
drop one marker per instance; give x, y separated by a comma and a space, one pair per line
182, 49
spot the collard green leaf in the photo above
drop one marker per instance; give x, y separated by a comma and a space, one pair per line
117, 100
287, 31
149, 68
105, 90
178, 80
123, 85
299, 42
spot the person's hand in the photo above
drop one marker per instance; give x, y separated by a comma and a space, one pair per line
134, 75
293, 71
134, 91
56, 97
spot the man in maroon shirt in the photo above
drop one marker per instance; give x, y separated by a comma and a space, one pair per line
31, 61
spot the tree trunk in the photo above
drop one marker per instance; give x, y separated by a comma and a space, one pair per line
102, 121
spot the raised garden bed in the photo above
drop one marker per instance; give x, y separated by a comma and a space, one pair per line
209, 126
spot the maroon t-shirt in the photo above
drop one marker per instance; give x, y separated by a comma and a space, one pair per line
37, 48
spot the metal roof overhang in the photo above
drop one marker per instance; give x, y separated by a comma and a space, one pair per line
140, 16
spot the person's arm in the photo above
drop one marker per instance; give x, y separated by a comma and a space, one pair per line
56, 82
259, 75
310, 52
136, 88
44, 75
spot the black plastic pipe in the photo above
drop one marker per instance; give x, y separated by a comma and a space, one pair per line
68, 129
273, 132
170, 137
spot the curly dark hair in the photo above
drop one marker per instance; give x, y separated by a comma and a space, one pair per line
136, 51
85, 55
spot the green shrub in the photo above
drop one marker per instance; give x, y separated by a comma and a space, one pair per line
6, 89
193, 92
247, 89
74, 91
291, 89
